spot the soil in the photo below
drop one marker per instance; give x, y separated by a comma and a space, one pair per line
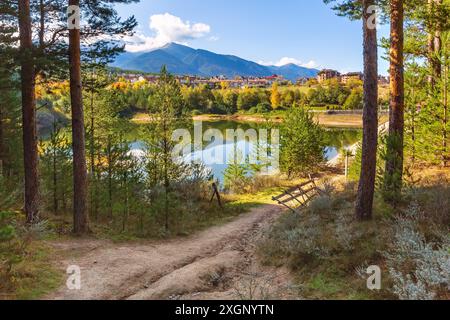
217, 263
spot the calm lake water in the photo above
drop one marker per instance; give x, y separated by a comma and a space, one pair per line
216, 154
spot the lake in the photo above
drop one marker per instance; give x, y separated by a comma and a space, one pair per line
224, 139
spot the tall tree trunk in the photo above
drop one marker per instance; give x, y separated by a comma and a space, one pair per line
394, 154
55, 182
80, 217
445, 116
434, 43
366, 189
430, 47
30, 153
92, 175
41, 24
55, 173
437, 45
2, 145
110, 172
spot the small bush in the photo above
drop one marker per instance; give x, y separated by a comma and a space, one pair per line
420, 269
321, 204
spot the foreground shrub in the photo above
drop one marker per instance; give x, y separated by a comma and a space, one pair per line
420, 269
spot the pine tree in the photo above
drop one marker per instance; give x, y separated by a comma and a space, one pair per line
302, 143
9, 94
168, 113
366, 189
356, 10
28, 112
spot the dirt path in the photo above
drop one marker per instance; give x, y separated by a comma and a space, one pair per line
218, 263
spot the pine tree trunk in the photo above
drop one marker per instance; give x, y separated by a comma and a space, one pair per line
110, 172
28, 113
92, 157
55, 187
434, 44
445, 116
394, 161
41, 24
430, 47
80, 217
2, 145
55, 178
366, 189
437, 47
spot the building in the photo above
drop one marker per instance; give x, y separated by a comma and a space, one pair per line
345, 78
213, 82
327, 74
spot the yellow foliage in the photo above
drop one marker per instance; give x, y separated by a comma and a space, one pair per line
275, 96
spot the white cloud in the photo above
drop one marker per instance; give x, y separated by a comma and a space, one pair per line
167, 28
286, 60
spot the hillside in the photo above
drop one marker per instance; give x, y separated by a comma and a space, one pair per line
183, 60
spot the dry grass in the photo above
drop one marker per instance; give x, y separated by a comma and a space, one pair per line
325, 246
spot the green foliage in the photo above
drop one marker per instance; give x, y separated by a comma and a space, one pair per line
393, 177
354, 171
167, 111
302, 144
354, 101
238, 173
334, 93
261, 108
56, 171
7, 230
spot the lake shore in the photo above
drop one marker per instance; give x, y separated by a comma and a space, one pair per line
350, 121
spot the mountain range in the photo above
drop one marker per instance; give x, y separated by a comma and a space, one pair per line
183, 60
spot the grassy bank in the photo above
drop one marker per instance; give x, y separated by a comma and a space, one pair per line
353, 121
27, 271
328, 251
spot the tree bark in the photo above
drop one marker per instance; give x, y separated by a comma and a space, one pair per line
30, 152
366, 189
394, 162
41, 24
430, 46
55, 182
434, 43
94, 193
445, 116
110, 172
437, 47
2, 144
80, 217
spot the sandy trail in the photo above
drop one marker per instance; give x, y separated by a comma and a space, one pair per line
213, 264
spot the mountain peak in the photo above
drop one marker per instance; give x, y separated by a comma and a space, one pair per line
173, 45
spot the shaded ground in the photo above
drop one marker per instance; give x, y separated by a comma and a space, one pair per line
218, 263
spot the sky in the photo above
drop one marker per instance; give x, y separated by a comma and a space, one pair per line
305, 32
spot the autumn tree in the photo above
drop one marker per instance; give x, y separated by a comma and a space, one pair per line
275, 97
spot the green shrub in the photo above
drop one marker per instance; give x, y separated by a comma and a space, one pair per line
302, 143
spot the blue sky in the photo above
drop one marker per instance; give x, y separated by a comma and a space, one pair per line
306, 32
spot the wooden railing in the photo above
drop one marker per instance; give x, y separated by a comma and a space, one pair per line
299, 196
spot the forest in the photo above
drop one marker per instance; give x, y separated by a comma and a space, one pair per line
75, 166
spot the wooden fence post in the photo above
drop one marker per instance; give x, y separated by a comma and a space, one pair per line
216, 193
